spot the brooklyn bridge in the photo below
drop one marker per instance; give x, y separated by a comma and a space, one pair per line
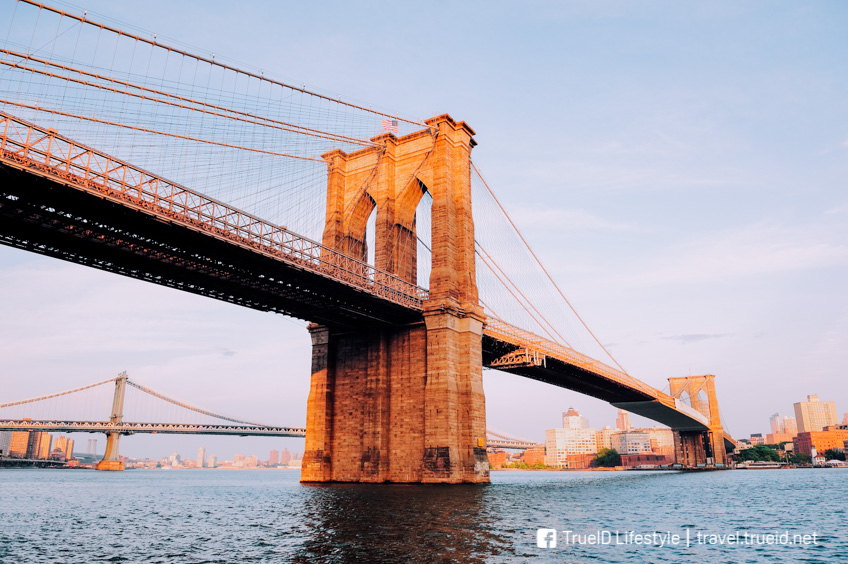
129, 155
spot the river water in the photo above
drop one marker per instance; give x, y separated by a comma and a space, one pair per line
188, 516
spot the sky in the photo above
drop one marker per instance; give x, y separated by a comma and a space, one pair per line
680, 168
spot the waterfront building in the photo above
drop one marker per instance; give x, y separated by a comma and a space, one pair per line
832, 437
66, 445
662, 440
534, 456
5, 442
757, 439
622, 422
603, 438
497, 458
631, 442
661, 437
645, 459
559, 443
18, 444
814, 415
274, 458
285, 457
295, 463
741, 445
778, 438
251, 461
580, 461
201, 457
38, 445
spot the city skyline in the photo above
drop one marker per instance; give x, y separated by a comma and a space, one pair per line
570, 417
148, 443
698, 229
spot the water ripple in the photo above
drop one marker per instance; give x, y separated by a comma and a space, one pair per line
203, 516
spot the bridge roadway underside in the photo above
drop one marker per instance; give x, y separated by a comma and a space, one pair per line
564, 375
47, 217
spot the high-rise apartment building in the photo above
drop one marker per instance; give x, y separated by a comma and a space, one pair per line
814, 415
622, 422
572, 420
285, 457
212, 461
66, 445
201, 457
790, 426
783, 425
38, 445
602, 437
274, 458
783, 429
18, 444
776, 423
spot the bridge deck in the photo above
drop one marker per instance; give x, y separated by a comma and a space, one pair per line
63, 199
129, 428
552, 363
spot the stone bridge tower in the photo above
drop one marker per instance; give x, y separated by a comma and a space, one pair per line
699, 447
403, 403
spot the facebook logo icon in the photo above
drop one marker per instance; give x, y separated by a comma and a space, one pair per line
546, 538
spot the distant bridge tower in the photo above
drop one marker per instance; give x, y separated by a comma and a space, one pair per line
402, 403
699, 447
111, 459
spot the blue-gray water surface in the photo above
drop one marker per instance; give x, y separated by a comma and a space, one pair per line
195, 516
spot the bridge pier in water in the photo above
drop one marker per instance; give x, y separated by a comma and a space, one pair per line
111, 459
403, 403
699, 447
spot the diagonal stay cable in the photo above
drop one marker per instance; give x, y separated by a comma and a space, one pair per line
213, 62
545, 270
156, 132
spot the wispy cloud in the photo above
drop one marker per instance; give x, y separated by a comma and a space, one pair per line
750, 251
688, 338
